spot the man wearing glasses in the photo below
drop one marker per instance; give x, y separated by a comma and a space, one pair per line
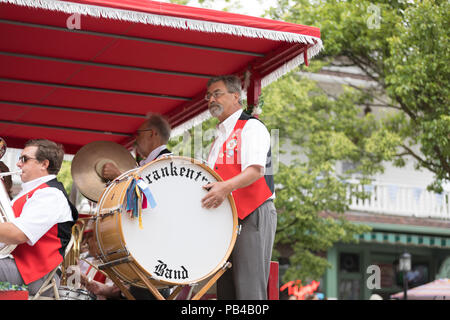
151, 139
240, 154
43, 220
151, 144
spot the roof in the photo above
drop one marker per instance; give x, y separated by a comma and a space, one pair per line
91, 70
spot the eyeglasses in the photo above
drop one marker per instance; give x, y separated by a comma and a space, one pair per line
138, 131
215, 94
24, 159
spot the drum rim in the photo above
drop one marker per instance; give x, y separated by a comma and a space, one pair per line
123, 240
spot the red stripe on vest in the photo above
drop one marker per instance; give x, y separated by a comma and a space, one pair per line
228, 165
34, 262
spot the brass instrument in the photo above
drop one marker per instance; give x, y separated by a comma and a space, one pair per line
6, 211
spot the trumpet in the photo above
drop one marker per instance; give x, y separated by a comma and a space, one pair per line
9, 173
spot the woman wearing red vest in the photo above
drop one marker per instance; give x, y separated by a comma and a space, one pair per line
241, 155
44, 218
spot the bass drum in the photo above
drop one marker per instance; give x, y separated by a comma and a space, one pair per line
180, 242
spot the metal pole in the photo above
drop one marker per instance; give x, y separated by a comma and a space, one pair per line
405, 286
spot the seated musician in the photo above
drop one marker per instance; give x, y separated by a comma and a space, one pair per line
44, 218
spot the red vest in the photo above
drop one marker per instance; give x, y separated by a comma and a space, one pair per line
228, 165
34, 262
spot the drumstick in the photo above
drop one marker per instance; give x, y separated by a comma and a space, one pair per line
95, 267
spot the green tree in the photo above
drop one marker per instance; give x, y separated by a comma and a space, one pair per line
65, 176
311, 196
403, 48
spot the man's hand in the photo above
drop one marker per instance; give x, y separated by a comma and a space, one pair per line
218, 191
110, 171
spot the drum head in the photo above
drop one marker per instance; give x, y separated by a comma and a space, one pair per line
180, 242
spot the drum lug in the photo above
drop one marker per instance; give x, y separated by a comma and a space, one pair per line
238, 229
110, 213
114, 263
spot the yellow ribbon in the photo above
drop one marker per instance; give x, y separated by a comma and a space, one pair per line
138, 193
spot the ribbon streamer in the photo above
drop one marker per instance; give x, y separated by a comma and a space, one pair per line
139, 193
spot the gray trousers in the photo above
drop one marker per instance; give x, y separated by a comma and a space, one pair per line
10, 273
247, 279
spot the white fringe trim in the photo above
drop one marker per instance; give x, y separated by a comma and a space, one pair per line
179, 130
290, 65
160, 20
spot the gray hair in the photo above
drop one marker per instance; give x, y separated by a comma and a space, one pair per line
160, 124
232, 83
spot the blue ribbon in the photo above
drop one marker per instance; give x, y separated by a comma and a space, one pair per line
132, 198
146, 191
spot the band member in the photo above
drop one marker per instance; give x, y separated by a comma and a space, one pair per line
240, 155
43, 220
151, 139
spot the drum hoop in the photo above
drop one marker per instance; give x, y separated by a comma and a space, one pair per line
123, 240
103, 255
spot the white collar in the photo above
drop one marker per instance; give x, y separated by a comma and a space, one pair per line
152, 156
227, 125
30, 185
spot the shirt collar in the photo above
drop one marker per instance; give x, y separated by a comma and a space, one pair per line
152, 156
30, 185
227, 125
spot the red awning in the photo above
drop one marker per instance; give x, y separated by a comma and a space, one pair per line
87, 70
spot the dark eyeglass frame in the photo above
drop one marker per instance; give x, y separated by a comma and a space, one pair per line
215, 94
140, 130
25, 158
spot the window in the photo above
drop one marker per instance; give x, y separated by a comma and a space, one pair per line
349, 262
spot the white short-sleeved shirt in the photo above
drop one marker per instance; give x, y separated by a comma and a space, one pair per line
255, 141
153, 155
47, 207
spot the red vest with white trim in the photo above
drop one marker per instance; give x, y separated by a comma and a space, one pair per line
34, 262
228, 165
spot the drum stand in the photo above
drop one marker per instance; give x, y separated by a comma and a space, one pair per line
107, 268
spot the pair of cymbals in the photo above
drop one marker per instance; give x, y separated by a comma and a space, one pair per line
88, 163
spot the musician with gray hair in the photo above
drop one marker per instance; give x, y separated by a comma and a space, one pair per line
151, 143
241, 155
43, 221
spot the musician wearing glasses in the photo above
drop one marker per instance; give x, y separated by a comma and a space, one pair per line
43, 220
151, 140
240, 154
151, 144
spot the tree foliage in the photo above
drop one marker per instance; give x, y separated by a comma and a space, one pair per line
403, 47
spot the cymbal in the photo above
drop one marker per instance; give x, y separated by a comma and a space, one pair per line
88, 163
